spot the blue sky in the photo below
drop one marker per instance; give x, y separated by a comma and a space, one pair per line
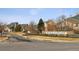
26, 15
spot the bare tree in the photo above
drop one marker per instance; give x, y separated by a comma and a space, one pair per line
32, 23
32, 27
60, 20
1, 28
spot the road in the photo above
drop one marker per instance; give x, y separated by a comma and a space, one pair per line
38, 46
18, 44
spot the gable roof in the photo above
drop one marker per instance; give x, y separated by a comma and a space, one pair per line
74, 19
50, 21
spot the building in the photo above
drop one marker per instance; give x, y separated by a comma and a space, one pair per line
32, 29
50, 25
69, 24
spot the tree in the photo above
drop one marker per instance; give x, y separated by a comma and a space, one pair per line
32, 24
1, 28
12, 28
18, 28
40, 26
33, 27
61, 20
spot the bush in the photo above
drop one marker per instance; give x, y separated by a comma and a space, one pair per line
18, 28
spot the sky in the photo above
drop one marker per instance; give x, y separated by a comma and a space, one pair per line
27, 15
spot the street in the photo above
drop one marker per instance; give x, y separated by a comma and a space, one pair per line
18, 43
37, 46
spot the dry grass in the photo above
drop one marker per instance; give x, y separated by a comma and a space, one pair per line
64, 39
17, 33
2, 38
48, 38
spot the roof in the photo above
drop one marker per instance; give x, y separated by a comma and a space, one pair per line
74, 19
50, 21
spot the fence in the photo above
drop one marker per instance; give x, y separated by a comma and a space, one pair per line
64, 33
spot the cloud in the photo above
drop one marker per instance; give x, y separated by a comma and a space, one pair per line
21, 19
32, 16
35, 11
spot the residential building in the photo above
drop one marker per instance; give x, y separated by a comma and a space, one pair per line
50, 25
69, 24
32, 29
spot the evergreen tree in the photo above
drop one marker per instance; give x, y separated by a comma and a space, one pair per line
40, 26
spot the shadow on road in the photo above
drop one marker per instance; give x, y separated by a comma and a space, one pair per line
22, 39
18, 38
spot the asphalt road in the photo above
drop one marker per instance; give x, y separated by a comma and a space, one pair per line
38, 46
17, 43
